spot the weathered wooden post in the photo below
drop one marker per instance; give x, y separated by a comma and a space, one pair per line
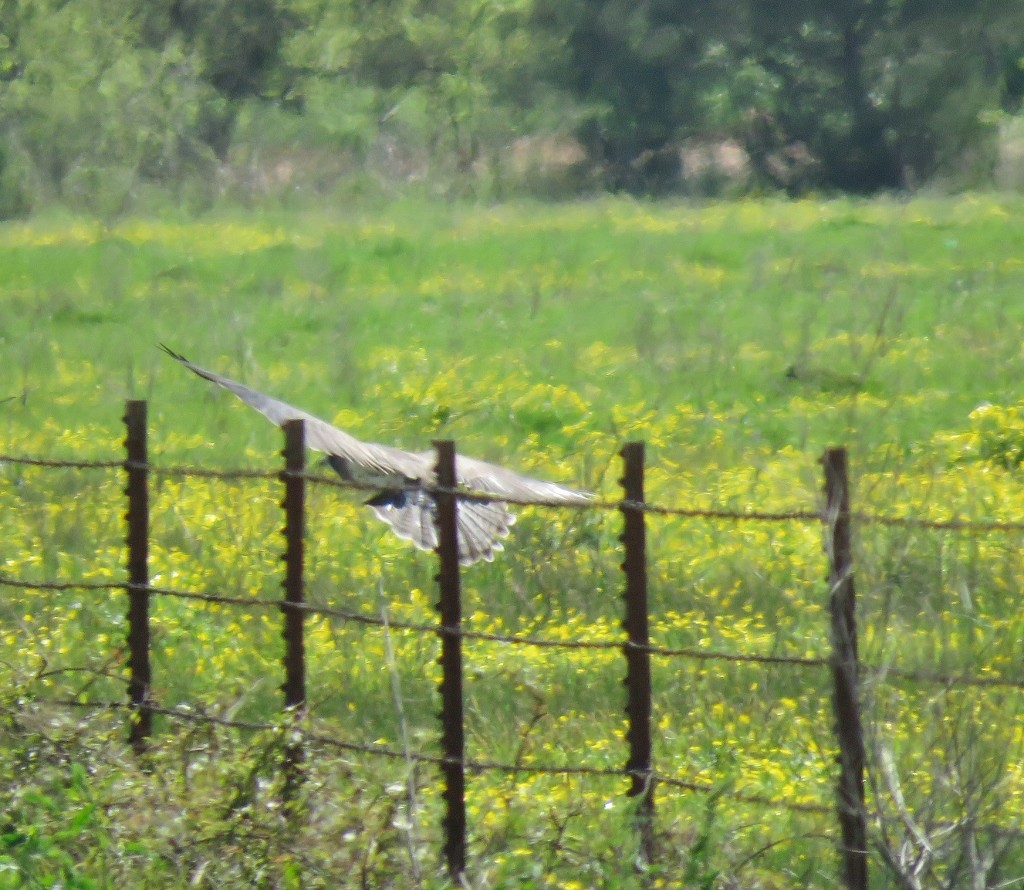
845, 671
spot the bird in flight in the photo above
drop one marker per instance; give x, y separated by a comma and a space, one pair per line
403, 500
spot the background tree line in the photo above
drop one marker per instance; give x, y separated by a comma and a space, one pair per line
105, 105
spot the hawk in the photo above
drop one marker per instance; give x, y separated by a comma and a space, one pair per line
404, 477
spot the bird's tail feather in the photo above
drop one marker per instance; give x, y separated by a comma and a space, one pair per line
480, 524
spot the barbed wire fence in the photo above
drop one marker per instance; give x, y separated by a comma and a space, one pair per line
843, 662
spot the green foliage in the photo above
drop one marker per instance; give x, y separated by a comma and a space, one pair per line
100, 102
445, 83
859, 95
237, 42
52, 831
641, 71
107, 107
88, 114
891, 94
995, 435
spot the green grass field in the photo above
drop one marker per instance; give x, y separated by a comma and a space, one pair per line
737, 339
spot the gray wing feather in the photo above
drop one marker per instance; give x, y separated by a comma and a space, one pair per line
479, 525
320, 435
412, 518
478, 475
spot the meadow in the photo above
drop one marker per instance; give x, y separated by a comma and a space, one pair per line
737, 339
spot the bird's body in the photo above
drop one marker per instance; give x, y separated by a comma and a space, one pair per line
404, 477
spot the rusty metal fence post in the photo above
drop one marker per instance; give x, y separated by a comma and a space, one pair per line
294, 557
137, 538
638, 657
450, 630
844, 662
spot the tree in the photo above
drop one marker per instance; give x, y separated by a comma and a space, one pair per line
879, 93
447, 75
885, 93
236, 46
88, 113
641, 71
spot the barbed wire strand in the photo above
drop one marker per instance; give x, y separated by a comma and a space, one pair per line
61, 464
867, 669
794, 515
469, 764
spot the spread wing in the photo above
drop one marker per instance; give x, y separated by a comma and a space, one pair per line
320, 435
410, 511
478, 475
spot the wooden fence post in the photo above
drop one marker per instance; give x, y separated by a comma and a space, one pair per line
450, 630
846, 684
638, 658
294, 532
137, 538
